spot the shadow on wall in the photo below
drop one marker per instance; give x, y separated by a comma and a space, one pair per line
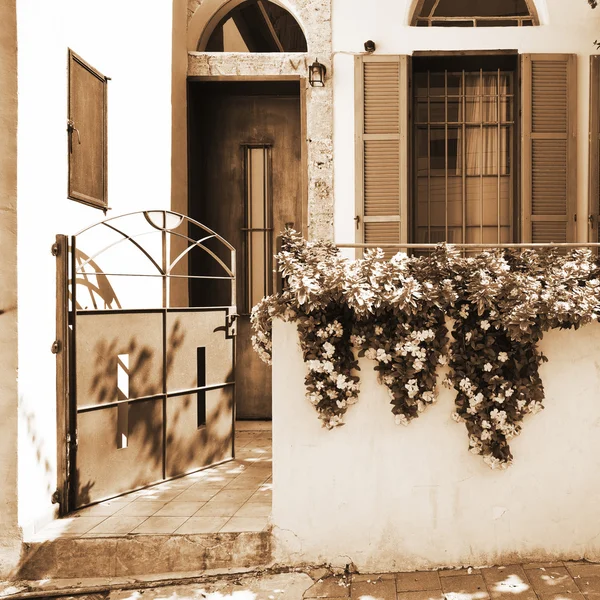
101, 293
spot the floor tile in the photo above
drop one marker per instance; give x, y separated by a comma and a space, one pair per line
140, 509
543, 565
117, 525
104, 509
245, 524
254, 509
160, 525
384, 589
417, 582
583, 570
197, 495
179, 509
233, 496
464, 586
562, 596
71, 526
202, 525
588, 585
551, 580
219, 509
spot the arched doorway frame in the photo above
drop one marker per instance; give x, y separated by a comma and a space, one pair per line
208, 15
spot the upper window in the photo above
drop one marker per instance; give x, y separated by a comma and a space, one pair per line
474, 13
257, 26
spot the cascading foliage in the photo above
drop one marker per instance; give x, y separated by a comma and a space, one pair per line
397, 312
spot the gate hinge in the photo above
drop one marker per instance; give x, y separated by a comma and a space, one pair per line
55, 249
231, 324
55, 348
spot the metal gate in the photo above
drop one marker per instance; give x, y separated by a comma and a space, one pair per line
145, 381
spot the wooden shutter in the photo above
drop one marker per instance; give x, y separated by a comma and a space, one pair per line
87, 133
381, 102
594, 153
549, 159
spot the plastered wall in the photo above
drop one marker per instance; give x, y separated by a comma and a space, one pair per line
566, 27
134, 48
394, 498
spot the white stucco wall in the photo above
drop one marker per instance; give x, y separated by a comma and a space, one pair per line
394, 498
567, 27
132, 44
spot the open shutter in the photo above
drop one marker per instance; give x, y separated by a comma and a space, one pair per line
381, 149
87, 133
549, 160
594, 158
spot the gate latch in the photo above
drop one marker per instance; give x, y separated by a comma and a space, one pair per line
231, 324
55, 348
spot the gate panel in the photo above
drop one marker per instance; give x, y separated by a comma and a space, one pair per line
152, 387
103, 469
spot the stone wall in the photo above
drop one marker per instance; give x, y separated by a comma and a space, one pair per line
314, 16
9, 530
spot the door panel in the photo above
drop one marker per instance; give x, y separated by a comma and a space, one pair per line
225, 120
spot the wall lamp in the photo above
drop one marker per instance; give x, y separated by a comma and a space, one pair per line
316, 74
370, 46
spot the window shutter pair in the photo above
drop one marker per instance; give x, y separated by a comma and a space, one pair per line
87, 133
548, 150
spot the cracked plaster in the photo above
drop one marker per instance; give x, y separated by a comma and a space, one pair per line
315, 19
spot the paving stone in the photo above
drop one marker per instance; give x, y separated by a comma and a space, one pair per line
384, 589
422, 595
316, 574
509, 580
460, 586
418, 581
583, 569
372, 577
202, 525
562, 596
455, 572
332, 587
159, 525
551, 580
588, 585
140, 509
543, 565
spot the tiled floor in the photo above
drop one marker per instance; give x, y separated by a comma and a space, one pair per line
232, 497
532, 581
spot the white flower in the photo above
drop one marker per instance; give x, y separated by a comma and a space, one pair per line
484, 325
509, 392
443, 359
465, 384
371, 353
464, 310
412, 387
383, 356
499, 398
476, 400
486, 435
418, 365
322, 333
315, 366
502, 357
378, 330
401, 420
341, 382
456, 417
486, 425
494, 463
335, 329
334, 422
535, 407
341, 403
357, 340
328, 366
487, 367
319, 385
428, 396
328, 349
468, 336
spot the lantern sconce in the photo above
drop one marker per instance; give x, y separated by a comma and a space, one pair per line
316, 74
370, 46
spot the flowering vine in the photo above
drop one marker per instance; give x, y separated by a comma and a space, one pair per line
396, 313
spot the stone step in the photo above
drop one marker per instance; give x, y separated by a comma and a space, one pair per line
137, 555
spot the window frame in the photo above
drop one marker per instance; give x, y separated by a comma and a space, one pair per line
72, 194
533, 16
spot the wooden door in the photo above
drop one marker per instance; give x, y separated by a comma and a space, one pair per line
244, 177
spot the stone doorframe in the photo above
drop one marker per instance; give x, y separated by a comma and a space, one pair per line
314, 17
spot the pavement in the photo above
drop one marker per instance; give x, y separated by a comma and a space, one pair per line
530, 581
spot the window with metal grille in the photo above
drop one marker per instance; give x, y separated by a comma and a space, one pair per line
474, 13
463, 146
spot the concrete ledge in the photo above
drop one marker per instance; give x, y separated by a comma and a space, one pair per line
144, 555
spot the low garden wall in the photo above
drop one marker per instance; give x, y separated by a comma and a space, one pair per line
388, 497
